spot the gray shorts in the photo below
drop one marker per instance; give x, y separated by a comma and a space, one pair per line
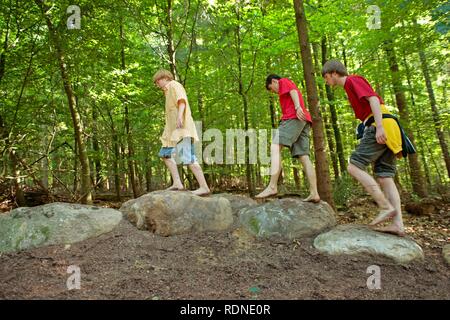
293, 133
370, 151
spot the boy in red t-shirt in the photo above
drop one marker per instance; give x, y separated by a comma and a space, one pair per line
293, 132
379, 145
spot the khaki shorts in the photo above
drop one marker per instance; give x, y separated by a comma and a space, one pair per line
370, 151
293, 133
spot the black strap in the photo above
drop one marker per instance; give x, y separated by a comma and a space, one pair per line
371, 120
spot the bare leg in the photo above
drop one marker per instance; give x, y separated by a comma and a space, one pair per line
311, 176
391, 192
171, 164
275, 170
198, 173
387, 211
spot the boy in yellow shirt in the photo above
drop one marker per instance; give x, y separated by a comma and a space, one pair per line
179, 133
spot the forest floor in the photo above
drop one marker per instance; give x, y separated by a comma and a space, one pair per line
132, 264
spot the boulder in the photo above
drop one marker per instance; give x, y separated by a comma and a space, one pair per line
287, 218
54, 223
357, 239
169, 213
237, 202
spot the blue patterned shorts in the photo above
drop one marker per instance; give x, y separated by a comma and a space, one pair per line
183, 153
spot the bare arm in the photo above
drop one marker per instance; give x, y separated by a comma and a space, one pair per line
298, 108
181, 108
376, 110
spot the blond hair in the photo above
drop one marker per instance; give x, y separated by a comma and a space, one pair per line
163, 74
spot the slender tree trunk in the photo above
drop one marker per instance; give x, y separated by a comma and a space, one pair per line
44, 161
96, 146
436, 119
243, 94
86, 195
416, 115
273, 116
125, 99
5, 44
148, 173
328, 128
333, 113
75, 167
17, 180
417, 178
322, 169
116, 158
170, 42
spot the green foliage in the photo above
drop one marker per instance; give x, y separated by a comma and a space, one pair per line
344, 189
213, 62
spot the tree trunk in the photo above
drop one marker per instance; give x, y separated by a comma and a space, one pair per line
325, 117
436, 119
86, 195
170, 42
322, 169
116, 158
5, 44
148, 175
417, 178
243, 94
96, 146
416, 115
125, 100
17, 180
334, 121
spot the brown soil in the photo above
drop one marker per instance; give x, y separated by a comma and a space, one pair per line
132, 264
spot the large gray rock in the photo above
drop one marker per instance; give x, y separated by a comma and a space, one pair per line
54, 223
288, 218
237, 202
446, 253
173, 212
356, 239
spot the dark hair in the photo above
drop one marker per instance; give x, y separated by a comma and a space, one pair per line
269, 79
334, 66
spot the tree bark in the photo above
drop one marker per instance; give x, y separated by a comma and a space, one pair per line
125, 100
334, 120
322, 169
243, 93
170, 42
86, 197
436, 119
416, 115
96, 148
417, 178
328, 129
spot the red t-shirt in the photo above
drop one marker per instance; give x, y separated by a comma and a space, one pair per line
286, 102
358, 89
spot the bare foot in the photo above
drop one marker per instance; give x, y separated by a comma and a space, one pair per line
201, 192
268, 192
392, 229
312, 198
383, 216
175, 188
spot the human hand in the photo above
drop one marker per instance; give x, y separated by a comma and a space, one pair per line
300, 114
381, 135
179, 122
